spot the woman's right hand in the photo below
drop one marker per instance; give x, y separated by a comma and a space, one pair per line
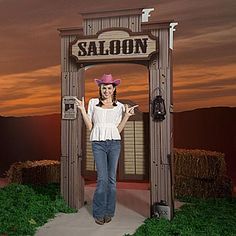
80, 103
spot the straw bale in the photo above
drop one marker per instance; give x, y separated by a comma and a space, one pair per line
199, 163
204, 188
14, 173
35, 172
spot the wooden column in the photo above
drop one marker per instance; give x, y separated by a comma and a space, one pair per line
72, 183
161, 133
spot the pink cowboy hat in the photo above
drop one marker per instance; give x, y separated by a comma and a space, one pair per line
107, 79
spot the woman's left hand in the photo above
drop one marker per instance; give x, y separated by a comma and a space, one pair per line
129, 111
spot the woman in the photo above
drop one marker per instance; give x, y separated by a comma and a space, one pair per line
105, 119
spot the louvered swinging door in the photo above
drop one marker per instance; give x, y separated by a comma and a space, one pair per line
134, 162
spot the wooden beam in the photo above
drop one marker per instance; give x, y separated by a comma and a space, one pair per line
111, 13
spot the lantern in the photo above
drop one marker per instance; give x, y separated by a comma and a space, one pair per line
158, 108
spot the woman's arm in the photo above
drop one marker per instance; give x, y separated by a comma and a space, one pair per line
129, 111
80, 105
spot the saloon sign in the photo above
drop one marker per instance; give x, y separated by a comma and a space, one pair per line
116, 45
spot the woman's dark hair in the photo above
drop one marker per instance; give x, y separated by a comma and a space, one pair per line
114, 101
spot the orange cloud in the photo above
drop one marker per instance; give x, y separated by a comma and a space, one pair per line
204, 62
204, 86
30, 93
38, 92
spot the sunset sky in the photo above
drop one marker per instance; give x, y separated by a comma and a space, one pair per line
204, 53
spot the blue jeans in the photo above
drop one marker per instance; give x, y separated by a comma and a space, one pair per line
106, 155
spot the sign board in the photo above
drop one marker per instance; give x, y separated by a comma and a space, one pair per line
115, 45
69, 109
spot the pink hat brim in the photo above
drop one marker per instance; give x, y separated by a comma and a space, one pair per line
115, 82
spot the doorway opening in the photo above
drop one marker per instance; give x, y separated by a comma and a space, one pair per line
133, 166
134, 160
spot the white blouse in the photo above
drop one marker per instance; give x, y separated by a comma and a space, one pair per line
105, 121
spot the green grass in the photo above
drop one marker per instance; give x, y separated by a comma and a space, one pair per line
23, 208
212, 217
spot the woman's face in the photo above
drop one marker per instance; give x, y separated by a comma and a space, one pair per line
107, 90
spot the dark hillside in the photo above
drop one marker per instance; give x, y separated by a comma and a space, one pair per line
208, 128
35, 138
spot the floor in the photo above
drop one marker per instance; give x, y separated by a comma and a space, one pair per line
131, 210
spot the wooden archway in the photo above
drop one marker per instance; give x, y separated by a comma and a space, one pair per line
123, 25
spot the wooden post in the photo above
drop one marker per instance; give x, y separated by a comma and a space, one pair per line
72, 183
161, 132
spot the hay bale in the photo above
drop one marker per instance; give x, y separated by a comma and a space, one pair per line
199, 163
35, 172
203, 188
14, 173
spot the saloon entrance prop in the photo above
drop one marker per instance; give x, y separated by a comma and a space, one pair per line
114, 37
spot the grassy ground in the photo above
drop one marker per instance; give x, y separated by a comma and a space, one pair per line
23, 208
212, 217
